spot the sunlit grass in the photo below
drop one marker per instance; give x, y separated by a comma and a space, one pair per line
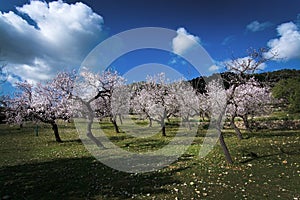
36, 167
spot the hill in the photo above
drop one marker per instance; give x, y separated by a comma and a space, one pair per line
269, 78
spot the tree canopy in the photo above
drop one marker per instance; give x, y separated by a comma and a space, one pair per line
289, 91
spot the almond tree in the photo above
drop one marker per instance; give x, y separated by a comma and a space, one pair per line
204, 110
43, 102
157, 100
92, 96
159, 107
120, 102
141, 104
250, 99
189, 104
217, 104
3, 98
242, 69
18, 108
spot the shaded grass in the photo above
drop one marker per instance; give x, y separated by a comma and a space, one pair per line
34, 167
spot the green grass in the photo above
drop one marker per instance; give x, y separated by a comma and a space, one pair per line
36, 167
280, 115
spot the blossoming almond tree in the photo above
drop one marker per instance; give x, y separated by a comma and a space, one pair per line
43, 102
141, 104
217, 106
120, 102
242, 69
249, 99
156, 100
160, 106
92, 96
189, 104
18, 107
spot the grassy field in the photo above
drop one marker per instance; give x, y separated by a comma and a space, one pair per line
36, 167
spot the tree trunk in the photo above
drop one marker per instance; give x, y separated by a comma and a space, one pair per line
236, 129
163, 124
120, 118
202, 116
246, 122
163, 129
225, 149
150, 122
168, 118
114, 122
89, 133
189, 123
186, 123
221, 138
55, 131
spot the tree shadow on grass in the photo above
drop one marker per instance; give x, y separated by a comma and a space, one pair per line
73, 141
82, 178
281, 152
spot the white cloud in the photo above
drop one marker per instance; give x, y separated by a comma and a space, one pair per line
256, 26
12, 79
214, 68
287, 46
184, 41
63, 35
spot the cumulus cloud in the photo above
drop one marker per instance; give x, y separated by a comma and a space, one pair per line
214, 68
61, 37
184, 41
287, 46
256, 26
12, 79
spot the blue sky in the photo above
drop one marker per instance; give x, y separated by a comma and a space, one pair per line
36, 47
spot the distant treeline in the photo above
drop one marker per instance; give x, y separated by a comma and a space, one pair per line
265, 78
